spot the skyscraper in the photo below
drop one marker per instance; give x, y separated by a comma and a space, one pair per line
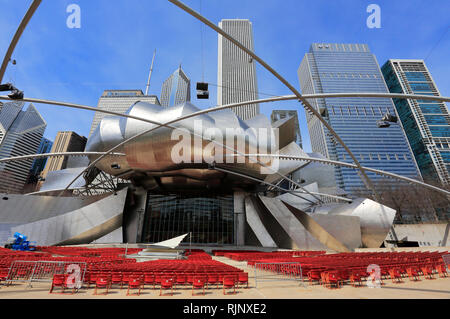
176, 89
236, 74
278, 115
119, 101
20, 134
64, 142
331, 68
38, 164
426, 123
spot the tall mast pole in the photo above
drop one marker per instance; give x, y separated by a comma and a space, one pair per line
150, 74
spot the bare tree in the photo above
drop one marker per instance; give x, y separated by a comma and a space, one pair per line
413, 203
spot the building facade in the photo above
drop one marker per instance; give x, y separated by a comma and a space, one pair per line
176, 89
278, 115
64, 142
426, 123
332, 68
119, 101
39, 163
20, 134
236, 74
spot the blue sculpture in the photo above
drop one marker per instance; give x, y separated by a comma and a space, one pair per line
21, 243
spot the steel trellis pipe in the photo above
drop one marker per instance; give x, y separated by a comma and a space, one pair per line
293, 192
23, 24
34, 156
281, 98
373, 170
167, 124
302, 99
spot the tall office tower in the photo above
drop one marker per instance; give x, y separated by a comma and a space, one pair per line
426, 123
64, 142
176, 89
119, 101
236, 74
20, 134
331, 68
280, 115
39, 163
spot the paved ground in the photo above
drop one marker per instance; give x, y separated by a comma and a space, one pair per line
438, 288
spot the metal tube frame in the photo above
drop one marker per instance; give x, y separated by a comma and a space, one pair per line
34, 156
373, 170
297, 95
23, 24
366, 180
273, 99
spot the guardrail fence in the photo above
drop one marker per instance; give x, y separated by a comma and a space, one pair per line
43, 271
278, 271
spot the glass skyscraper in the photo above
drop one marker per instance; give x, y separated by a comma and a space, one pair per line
236, 70
426, 123
176, 89
333, 68
119, 101
20, 134
39, 163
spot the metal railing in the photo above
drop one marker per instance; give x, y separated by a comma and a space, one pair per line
43, 271
278, 271
446, 259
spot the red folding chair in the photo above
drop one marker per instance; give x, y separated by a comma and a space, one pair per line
198, 283
166, 283
102, 282
413, 273
116, 278
395, 274
149, 279
442, 271
228, 283
58, 281
243, 278
213, 279
134, 282
333, 278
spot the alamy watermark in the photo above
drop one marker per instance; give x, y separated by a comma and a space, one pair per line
74, 19
230, 145
374, 279
74, 278
374, 19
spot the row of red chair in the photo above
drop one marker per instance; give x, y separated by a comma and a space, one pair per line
337, 269
164, 281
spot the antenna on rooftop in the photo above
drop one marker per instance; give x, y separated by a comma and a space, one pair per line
150, 74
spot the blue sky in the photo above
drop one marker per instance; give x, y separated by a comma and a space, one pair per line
114, 46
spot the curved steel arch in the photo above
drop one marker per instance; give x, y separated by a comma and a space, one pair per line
273, 99
23, 24
366, 180
301, 98
293, 192
377, 95
373, 170
278, 187
167, 124
280, 98
34, 156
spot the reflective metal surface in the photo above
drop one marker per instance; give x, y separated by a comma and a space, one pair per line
375, 219
151, 155
80, 225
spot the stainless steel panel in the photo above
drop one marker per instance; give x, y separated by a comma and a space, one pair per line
79, 226
256, 224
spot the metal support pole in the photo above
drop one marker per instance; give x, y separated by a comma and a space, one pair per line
23, 24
